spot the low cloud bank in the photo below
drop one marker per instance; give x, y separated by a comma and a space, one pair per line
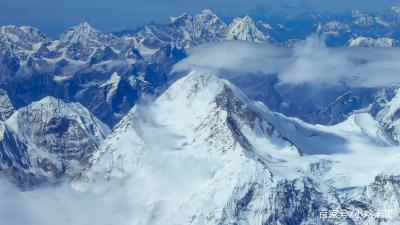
62, 205
308, 62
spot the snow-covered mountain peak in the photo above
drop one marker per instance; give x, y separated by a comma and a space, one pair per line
208, 18
357, 13
82, 41
198, 100
82, 28
205, 147
247, 19
207, 15
30, 33
24, 37
193, 84
202, 152
373, 42
50, 110
190, 30
207, 12
209, 27
246, 29
50, 139
228, 146
84, 34
333, 26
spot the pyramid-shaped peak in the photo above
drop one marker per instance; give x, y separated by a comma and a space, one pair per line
207, 15
196, 81
245, 29
207, 12
84, 26
85, 34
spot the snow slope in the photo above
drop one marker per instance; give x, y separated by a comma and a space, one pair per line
203, 153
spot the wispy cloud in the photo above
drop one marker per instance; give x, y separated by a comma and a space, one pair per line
308, 62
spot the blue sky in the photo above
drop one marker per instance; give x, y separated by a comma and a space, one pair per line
54, 16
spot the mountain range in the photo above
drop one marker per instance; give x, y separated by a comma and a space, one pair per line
80, 64
93, 107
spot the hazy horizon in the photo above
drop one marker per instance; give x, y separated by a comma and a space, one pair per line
53, 17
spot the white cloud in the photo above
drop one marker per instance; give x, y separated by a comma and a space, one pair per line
308, 62
62, 205
236, 56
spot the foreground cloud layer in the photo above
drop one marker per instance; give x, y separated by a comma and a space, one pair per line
308, 62
62, 205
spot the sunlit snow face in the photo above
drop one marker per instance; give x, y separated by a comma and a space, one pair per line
308, 62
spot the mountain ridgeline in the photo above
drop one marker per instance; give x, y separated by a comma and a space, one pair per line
245, 150
108, 73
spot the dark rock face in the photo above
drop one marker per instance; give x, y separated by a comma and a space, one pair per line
299, 200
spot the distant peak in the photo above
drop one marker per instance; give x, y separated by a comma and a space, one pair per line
357, 12
82, 33
81, 28
84, 26
26, 29
247, 17
207, 12
23, 34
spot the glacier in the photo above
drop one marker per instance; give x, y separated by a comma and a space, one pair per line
204, 153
